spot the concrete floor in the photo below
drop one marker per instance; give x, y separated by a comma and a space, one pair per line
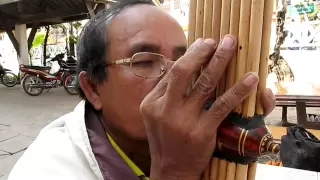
23, 116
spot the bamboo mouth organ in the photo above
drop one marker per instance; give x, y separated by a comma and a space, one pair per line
243, 137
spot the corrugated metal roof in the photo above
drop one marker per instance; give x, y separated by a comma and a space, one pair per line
44, 11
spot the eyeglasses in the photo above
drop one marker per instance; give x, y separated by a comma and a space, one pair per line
146, 64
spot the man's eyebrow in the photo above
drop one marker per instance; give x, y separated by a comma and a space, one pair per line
144, 47
179, 50
149, 47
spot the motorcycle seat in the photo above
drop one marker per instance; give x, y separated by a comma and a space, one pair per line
37, 67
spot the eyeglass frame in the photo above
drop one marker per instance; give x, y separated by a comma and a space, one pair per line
163, 69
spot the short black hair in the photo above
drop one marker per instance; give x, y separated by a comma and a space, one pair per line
92, 47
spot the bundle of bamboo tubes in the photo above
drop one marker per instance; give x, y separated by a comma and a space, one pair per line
250, 21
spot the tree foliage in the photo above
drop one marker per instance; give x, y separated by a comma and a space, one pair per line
38, 40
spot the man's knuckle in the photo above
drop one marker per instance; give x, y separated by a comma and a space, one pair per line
239, 91
201, 49
224, 104
221, 56
179, 70
205, 83
144, 108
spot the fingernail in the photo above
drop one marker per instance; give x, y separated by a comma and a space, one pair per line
210, 42
198, 41
227, 42
251, 79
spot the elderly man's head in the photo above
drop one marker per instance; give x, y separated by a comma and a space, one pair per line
112, 81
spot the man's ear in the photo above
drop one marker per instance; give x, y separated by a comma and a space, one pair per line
89, 89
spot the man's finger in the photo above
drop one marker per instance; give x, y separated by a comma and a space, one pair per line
180, 75
159, 90
268, 101
211, 75
220, 109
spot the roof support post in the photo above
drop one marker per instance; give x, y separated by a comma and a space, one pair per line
13, 40
32, 34
21, 36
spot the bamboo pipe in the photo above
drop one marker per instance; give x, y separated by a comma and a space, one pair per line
217, 4
231, 171
222, 169
234, 30
199, 19
207, 173
207, 22
199, 28
243, 41
231, 69
254, 49
224, 30
215, 33
192, 33
192, 22
214, 168
241, 172
265, 47
252, 171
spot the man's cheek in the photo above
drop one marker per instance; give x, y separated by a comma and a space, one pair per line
144, 88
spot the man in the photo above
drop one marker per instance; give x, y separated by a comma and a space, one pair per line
136, 120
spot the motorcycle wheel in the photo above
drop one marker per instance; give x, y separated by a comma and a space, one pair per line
69, 84
9, 79
32, 79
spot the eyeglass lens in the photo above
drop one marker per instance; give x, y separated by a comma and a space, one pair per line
148, 65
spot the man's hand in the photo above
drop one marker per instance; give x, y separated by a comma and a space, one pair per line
182, 136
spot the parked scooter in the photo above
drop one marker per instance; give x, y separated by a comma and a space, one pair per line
36, 80
70, 62
7, 77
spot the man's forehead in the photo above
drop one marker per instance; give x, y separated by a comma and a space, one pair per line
147, 28
138, 18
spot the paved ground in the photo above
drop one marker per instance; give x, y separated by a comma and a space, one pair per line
23, 116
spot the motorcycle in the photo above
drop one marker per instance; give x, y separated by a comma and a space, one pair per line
7, 77
37, 80
71, 61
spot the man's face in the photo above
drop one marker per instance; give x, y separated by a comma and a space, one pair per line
141, 28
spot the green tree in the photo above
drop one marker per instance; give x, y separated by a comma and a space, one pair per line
38, 40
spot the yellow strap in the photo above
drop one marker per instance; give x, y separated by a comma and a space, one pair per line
131, 164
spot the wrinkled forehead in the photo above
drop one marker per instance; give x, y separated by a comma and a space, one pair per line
146, 28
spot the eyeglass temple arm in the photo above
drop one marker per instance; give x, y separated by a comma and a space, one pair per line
120, 61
